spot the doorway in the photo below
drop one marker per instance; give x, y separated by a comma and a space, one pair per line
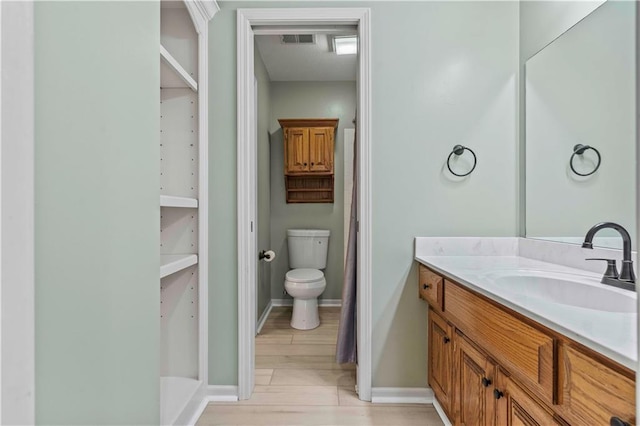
252, 22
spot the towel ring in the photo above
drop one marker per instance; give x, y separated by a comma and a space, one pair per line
579, 149
459, 150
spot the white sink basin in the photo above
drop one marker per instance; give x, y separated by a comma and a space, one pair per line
565, 289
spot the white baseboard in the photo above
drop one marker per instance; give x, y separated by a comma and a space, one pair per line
222, 393
402, 396
336, 303
197, 413
194, 409
321, 302
441, 413
264, 316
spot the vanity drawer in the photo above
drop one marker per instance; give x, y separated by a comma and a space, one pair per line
592, 392
524, 351
430, 287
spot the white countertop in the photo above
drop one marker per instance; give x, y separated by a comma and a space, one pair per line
612, 334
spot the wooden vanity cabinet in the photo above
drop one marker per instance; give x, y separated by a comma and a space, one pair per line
489, 365
519, 347
440, 367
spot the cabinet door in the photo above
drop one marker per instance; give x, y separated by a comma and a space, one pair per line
321, 150
514, 407
592, 392
440, 359
474, 402
296, 150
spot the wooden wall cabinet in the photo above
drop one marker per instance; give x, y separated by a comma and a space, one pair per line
309, 159
488, 365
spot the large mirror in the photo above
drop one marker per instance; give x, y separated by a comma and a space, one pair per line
580, 129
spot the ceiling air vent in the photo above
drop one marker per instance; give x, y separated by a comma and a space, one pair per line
298, 39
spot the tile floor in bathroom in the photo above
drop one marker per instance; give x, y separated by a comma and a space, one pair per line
299, 383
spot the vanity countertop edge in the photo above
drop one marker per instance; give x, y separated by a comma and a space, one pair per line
577, 324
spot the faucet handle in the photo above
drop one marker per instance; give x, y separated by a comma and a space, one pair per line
612, 271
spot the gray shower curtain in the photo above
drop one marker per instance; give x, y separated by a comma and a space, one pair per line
346, 350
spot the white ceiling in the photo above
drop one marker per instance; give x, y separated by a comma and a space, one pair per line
304, 62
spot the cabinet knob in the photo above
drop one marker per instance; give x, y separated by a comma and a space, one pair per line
305, 164
446, 340
486, 382
497, 394
616, 421
312, 164
426, 286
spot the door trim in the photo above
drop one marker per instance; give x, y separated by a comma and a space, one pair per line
247, 191
17, 251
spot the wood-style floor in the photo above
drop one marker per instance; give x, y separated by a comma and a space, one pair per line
299, 383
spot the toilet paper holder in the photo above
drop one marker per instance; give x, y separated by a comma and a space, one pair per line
268, 255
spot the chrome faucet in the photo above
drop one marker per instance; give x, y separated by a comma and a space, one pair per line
626, 279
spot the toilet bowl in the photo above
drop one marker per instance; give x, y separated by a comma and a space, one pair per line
305, 285
305, 282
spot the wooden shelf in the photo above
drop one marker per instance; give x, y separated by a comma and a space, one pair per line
184, 202
172, 263
309, 189
172, 74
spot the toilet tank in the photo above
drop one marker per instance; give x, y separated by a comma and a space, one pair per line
308, 248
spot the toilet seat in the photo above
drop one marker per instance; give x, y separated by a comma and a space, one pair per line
304, 276
305, 285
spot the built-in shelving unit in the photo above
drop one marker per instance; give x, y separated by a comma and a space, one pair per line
183, 201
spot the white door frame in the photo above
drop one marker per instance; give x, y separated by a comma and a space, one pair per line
247, 191
17, 326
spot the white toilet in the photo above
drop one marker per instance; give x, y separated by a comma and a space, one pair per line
305, 281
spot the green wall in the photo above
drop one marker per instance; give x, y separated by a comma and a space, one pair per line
309, 99
97, 212
440, 76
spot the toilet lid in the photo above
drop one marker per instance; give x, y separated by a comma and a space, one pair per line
304, 275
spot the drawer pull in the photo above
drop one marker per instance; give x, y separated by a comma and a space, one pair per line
486, 382
426, 286
497, 394
446, 340
616, 421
